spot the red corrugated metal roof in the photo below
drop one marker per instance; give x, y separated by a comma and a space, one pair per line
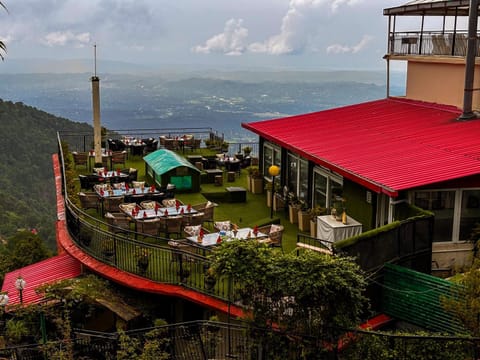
44, 272
387, 145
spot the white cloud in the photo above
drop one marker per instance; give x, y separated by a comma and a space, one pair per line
64, 38
231, 42
299, 25
342, 49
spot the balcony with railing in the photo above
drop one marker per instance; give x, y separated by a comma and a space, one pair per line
429, 43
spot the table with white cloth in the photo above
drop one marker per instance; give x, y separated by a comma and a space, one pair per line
333, 230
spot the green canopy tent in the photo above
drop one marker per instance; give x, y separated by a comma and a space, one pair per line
164, 167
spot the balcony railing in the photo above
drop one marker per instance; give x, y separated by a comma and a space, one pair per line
165, 264
430, 43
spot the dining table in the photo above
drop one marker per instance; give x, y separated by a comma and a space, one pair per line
104, 193
213, 239
160, 212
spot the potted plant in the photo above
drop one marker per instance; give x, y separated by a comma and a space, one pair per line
256, 180
250, 171
108, 247
210, 278
293, 208
142, 256
314, 212
247, 150
268, 189
304, 216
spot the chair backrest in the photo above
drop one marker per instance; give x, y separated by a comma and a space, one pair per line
80, 158
111, 203
149, 226
88, 200
174, 225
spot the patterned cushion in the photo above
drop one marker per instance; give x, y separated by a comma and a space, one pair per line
223, 225
275, 228
119, 185
169, 202
138, 184
192, 230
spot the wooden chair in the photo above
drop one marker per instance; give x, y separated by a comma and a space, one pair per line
80, 158
274, 232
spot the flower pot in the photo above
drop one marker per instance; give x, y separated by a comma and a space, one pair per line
304, 220
257, 185
293, 213
313, 228
249, 183
278, 202
269, 198
142, 264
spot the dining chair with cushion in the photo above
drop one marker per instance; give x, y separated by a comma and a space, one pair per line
222, 225
148, 227
118, 157
118, 222
171, 202
127, 207
196, 219
148, 204
138, 184
89, 200
80, 158
111, 203
274, 232
174, 225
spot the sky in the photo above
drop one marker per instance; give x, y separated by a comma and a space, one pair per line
283, 34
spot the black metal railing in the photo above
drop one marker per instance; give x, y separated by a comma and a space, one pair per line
165, 264
201, 340
430, 43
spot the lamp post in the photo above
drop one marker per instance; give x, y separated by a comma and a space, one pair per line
20, 285
273, 170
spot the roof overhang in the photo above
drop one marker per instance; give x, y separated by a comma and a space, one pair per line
387, 145
430, 8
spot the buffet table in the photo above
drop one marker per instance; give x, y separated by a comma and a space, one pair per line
333, 230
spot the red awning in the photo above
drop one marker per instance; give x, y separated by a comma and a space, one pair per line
386, 145
59, 267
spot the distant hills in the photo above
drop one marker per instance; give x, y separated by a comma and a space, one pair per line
37, 105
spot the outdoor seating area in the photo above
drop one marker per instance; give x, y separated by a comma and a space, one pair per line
130, 204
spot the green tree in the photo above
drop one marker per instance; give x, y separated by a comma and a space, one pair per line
310, 294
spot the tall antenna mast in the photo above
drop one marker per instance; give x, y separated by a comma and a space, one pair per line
95, 60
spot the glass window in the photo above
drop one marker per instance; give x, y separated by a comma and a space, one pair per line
320, 190
303, 180
292, 174
328, 188
442, 204
470, 213
271, 156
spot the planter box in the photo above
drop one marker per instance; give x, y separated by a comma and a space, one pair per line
293, 213
313, 228
278, 202
304, 221
269, 198
249, 183
257, 186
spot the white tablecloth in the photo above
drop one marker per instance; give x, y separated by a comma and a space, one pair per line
333, 230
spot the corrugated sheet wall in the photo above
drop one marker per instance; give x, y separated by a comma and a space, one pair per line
416, 298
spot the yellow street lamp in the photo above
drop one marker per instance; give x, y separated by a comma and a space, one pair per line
273, 170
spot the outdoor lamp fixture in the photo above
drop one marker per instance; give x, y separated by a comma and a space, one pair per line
4, 300
20, 285
273, 170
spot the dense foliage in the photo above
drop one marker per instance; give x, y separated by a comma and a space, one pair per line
310, 294
27, 184
21, 249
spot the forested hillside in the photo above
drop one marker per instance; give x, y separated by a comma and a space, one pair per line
27, 190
